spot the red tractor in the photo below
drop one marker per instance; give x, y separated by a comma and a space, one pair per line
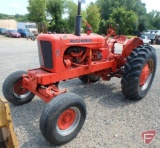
88, 57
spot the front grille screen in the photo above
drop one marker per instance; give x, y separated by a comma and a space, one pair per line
46, 48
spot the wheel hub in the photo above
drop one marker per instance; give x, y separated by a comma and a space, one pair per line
66, 119
144, 75
19, 89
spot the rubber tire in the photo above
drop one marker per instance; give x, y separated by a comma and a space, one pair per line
53, 110
89, 78
33, 38
132, 72
7, 89
149, 43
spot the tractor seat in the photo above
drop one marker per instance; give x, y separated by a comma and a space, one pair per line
118, 39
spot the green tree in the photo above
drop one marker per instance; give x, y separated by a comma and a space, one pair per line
5, 16
93, 16
137, 6
157, 20
150, 17
21, 18
143, 23
17, 17
55, 11
154, 19
127, 20
37, 10
140, 9
105, 7
37, 13
70, 11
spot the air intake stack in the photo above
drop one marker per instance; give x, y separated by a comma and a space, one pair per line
78, 19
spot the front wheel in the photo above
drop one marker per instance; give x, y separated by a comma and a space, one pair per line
63, 118
139, 72
14, 91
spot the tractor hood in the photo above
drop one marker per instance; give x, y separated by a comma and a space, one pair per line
93, 41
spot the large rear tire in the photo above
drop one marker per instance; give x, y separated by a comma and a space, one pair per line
14, 91
63, 118
90, 78
139, 72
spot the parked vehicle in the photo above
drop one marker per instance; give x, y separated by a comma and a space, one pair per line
31, 36
24, 32
3, 30
157, 40
153, 35
13, 33
145, 39
27, 26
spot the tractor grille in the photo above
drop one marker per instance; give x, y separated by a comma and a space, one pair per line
45, 54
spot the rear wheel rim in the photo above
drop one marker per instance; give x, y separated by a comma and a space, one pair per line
146, 75
68, 121
19, 91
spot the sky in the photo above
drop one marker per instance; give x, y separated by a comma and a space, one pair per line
13, 7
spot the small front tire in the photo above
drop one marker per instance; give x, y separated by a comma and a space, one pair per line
14, 91
63, 118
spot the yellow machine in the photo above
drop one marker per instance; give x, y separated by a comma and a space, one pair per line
8, 137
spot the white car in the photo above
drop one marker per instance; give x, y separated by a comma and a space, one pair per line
145, 39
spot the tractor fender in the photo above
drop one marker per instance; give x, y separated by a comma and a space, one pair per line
130, 45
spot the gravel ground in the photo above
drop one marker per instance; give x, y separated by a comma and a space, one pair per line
112, 120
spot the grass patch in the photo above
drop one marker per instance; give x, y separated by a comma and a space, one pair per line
130, 36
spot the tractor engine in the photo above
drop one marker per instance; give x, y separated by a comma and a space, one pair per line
57, 53
79, 56
75, 55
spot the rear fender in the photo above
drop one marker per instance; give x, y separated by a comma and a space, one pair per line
130, 45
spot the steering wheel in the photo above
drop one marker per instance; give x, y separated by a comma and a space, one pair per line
113, 30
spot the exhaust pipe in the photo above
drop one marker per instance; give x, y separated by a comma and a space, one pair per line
78, 20
78, 25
